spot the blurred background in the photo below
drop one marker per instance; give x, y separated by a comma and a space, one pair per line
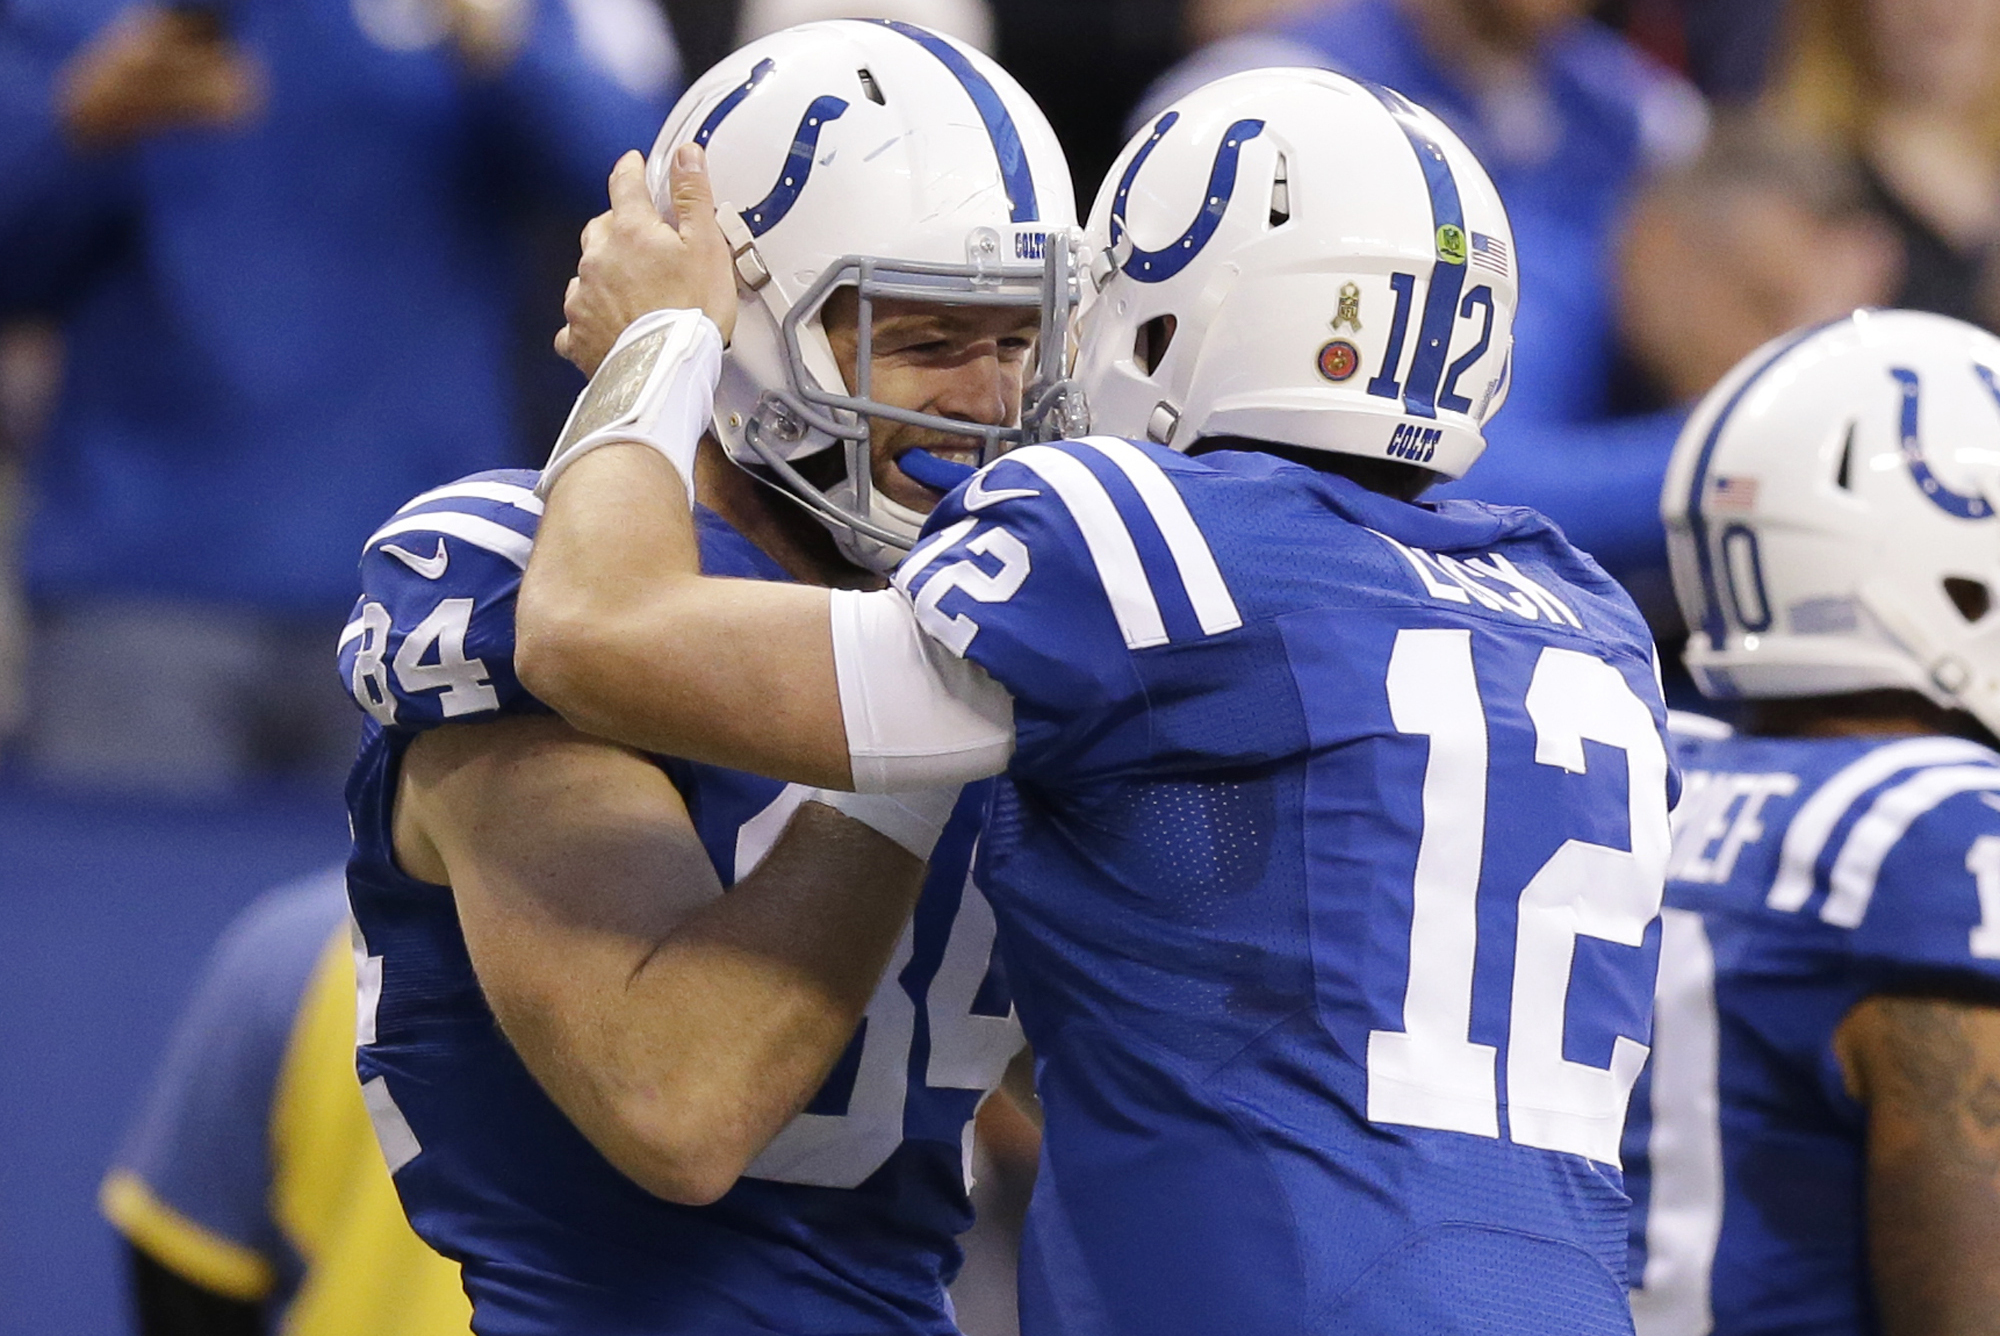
270, 267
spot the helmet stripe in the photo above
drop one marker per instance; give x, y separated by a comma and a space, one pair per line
768, 212
1158, 266
1448, 266
729, 104
992, 110
1712, 620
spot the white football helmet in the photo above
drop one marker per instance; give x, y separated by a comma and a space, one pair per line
1830, 516
1294, 256
878, 155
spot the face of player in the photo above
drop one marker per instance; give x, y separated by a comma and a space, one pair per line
1941, 53
966, 363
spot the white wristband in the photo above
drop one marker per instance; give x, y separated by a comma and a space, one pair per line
914, 819
655, 388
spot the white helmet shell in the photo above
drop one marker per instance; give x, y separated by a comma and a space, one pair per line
1337, 267
1831, 521
880, 155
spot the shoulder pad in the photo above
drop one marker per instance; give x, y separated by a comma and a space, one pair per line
431, 639
1107, 514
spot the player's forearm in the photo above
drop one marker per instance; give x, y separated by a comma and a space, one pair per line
677, 1027
1929, 1071
682, 1061
737, 1017
618, 633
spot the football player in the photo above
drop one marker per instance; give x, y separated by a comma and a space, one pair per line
1332, 827
658, 1039
1819, 1149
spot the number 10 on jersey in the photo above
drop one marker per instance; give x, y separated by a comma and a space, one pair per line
1430, 1073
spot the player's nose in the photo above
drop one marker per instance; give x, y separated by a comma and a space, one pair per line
981, 389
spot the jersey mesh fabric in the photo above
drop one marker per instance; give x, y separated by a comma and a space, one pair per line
1202, 862
1766, 1230
551, 1236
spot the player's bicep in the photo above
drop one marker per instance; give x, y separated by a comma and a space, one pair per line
1928, 1069
569, 859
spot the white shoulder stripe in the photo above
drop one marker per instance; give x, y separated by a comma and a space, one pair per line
1806, 837
1213, 607
1688, 724
479, 489
351, 631
483, 533
1852, 883
1119, 569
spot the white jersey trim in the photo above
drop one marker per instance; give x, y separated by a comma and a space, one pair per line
1119, 570
481, 533
478, 489
1688, 724
1888, 819
1200, 576
392, 1130
1813, 825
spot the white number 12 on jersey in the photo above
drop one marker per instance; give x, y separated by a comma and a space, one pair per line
1430, 1073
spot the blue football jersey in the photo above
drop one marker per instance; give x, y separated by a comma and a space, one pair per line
1806, 874
846, 1223
1327, 870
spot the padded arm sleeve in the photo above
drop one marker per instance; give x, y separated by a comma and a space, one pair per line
656, 388
916, 717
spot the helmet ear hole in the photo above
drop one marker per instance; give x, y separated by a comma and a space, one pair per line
1149, 349
1281, 195
1970, 597
1845, 478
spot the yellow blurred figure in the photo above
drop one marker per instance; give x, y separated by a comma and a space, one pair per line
251, 1189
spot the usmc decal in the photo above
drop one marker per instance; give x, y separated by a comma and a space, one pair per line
1339, 360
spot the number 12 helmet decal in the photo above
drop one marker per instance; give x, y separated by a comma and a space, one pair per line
1294, 256
1830, 516
880, 156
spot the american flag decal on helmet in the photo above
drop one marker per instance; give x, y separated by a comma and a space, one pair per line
1489, 253
1735, 494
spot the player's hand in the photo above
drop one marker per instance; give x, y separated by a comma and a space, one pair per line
635, 261
152, 70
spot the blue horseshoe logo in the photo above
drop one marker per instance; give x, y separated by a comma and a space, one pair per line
1160, 265
1965, 505
768, 212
